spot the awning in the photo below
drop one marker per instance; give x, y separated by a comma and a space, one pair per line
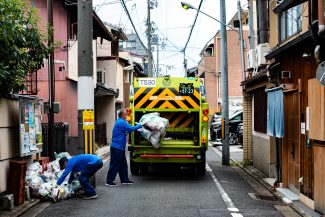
260, 77
104, 91
303, 38
287, 4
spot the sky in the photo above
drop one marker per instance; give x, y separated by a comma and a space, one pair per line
173, 25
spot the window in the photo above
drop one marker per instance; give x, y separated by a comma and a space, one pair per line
130, 44
260, 110
238, 117
290, 22
100, 77
120, 45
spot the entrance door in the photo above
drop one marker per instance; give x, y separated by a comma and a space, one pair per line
291, 141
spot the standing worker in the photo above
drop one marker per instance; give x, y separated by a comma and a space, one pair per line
85, 164
118, 162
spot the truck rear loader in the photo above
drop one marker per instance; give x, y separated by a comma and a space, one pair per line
181, 101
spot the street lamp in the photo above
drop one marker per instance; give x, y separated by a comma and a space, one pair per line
187, 6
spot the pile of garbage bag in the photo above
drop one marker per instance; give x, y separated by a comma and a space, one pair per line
154, 128
43, 183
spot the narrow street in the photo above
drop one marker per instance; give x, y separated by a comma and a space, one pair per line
223, 191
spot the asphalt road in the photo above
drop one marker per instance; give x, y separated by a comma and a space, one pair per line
174, 192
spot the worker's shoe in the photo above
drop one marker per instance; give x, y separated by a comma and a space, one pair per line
128, 183
111, 184
90, 197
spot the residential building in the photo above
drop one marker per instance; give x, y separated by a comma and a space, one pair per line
209, 66
296, 157
137, 51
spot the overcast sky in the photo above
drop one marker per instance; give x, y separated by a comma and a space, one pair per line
173, 23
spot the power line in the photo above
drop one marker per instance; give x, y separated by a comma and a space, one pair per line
197, 14
169, 41
135, 30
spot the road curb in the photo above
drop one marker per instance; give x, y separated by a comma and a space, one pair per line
270, 188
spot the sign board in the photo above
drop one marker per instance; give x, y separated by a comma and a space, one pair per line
30, 125
147, 82
88, 120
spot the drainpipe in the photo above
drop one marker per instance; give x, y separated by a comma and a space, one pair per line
321, 23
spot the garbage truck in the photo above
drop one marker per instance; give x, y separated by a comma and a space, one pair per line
180, 100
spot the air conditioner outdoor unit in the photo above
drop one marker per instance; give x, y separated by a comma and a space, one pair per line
261, 51
251, 59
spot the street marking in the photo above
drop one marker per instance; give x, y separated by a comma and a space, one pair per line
236, 215
233, 209
225, 197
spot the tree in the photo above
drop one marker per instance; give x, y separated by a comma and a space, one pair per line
22, 42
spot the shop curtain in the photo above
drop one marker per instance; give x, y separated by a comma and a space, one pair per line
275, 112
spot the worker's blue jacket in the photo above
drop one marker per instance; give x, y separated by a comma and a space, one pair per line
120, 131
77, 164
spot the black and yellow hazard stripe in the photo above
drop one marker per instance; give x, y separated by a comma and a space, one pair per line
179, 120
143, 98
89, 141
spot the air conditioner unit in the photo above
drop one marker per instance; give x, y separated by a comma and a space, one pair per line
261, 51
251, 59
101, 77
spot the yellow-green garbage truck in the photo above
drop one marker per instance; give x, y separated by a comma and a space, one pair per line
181, 101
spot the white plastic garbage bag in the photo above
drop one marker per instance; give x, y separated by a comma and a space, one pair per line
157, 126
44, 184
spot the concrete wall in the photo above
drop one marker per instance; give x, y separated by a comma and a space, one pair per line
263, 150
264, 154
9, 134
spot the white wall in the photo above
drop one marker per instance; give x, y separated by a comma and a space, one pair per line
120, 81
110, 67
104, 49
73, 61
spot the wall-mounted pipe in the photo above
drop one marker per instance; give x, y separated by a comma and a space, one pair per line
321, 23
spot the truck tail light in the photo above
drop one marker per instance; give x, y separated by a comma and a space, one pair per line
205, 118
129, 116
129, 119
205, 111
128, 111
203, 139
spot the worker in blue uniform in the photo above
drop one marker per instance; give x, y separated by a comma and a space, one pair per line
86, 165
118, 163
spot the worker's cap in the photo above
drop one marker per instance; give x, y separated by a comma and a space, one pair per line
62, 161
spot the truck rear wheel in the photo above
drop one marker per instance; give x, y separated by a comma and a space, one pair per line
144, 169
134, 167
200, 168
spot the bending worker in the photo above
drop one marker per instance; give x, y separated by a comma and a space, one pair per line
118, 162
85, 164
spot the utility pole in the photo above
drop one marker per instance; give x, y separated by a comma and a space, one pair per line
251, 24
241, 39
262, 22
224, 80
185, 64
85, 77
51, 80
157, 75
149, 41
